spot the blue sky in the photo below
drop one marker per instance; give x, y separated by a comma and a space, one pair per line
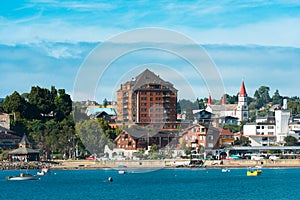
47, 43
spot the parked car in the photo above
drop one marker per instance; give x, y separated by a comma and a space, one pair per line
91, 158
273, 157
257, 157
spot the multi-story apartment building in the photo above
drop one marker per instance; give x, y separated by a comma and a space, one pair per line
147, 99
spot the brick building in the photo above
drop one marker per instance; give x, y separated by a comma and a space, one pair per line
147, 99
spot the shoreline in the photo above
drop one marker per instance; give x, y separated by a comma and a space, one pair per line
173, 163
148, 164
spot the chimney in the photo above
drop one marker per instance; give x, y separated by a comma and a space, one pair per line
284, 104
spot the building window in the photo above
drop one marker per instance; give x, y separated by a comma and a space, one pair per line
210, 145
210, 137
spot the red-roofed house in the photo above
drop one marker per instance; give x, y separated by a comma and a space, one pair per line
226, 138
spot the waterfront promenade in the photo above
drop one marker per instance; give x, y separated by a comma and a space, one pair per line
169, 163
172, 163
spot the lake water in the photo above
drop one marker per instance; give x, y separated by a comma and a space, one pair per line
158, 184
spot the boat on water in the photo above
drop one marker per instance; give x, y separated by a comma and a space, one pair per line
40, 173
122, 169
224, 170
254, 172
22, 177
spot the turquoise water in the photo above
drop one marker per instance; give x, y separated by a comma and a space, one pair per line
159, 184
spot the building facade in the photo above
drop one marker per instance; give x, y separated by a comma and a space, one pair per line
147, 99
239, 110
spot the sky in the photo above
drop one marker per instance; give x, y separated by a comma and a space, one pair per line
67, 43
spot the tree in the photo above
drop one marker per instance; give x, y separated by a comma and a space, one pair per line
63, 105
41, 98
242, 141
262, 96
92, 136
15, 104
276, 98
294, 105
290, 141
231, 99
105, 103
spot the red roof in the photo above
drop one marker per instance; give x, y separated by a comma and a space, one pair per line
225, 131
243, 90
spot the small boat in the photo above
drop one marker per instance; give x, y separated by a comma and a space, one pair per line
45, 170
40, 173
122, 169
21, 177
225, 170
253, 172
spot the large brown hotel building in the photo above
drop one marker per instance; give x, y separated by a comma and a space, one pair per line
147, 99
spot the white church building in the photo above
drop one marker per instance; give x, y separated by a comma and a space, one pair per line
239, 110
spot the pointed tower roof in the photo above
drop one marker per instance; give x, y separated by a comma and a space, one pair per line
223, 99
243, 90
209, 101
24, 141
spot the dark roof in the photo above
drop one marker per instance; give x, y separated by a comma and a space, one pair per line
24, 140
4, 135
5, 130
138, 132
23, 151
148, 77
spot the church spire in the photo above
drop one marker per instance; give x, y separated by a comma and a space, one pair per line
243, 90
223, 99
209, 101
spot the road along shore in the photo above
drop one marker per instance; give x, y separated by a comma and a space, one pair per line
172, 163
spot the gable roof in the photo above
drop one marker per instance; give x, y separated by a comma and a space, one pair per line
24, 151
93, 110
219, 108
148, 77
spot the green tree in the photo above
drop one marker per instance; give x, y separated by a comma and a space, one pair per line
41, 98
231, 99
242, 141
92, 136
276, 98
290, 141
63, 105
105, 103
262, 96
294, 105
15, 104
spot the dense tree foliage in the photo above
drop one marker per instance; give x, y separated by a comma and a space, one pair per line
290, 141
188, 106
44, 115
276, 98
242, 141
262, 96
294, 105
95, 134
